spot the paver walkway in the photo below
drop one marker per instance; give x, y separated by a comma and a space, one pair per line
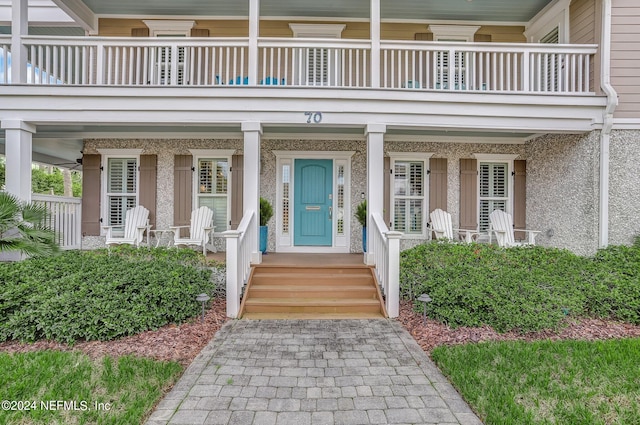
312, 372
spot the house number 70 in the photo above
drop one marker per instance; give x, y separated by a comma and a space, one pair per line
313, 117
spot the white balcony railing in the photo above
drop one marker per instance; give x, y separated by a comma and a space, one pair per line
5, 47
64, 217
409, 65
487, 67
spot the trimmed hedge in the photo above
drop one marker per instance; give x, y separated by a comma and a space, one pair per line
99, 294
524, 289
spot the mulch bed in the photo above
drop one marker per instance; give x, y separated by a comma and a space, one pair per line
179, 343
432, 334
183, 343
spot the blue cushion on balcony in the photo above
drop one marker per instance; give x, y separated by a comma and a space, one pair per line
411, 84
272, 81
239, 81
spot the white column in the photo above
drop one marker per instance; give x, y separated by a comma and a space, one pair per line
254, 33
19, 27
18, 151
375, 178
251, 183
375, 43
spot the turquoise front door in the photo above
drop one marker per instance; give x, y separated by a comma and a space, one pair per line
313, 183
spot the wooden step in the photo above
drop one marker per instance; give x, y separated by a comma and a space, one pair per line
312, 292
316, 278
311, 305
312, 316
308, 290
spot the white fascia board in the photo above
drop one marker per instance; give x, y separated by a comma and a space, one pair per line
147, 106
80, 13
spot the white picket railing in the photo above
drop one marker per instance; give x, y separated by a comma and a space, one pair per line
5, 48
385, 247
314, 62
64, 217
492, 67
300, 62
238, 259
127, 61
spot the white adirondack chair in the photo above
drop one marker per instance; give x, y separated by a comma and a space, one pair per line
443, 229
200, 229
136, 222
502, 226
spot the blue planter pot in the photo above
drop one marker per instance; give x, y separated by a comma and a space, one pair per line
264, 232
364, 239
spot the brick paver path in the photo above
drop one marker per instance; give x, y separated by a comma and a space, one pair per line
303, 372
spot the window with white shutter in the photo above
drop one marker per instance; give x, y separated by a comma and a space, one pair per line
317, 66
409, 196
494, 190
212, 189
121, 189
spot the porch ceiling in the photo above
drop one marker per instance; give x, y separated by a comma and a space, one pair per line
475, 10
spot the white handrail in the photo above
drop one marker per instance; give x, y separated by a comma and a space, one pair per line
64, 216
385, 247
239, 252
413, 65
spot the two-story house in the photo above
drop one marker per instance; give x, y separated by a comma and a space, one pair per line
529, 106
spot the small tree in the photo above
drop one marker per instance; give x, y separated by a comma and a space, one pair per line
266, 212
22, 227
361, 213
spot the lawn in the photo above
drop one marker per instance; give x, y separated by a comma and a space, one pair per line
544, 382
52, 387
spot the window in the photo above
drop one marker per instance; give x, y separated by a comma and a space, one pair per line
120, 183
409, 194
455, 33
494, 191
317, 66
212, 184
163, 54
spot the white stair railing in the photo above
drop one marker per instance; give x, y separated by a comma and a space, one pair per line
239, 250
385, 247
64, 216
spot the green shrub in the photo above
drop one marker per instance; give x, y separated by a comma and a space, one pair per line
99, 294
524, 289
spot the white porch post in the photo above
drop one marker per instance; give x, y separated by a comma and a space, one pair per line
18, 151
19, 27
233, 276
375, 43
251, 184
375, 179
254, 33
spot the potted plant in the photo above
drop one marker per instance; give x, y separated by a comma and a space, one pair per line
266, 212
361, 216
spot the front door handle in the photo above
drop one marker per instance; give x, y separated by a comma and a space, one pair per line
330, 213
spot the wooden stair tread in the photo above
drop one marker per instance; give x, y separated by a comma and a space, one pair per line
320, 286
312, 316
311, 301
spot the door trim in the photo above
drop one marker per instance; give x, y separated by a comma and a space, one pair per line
341, 243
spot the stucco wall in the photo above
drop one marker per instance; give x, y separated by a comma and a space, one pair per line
563, 190
165, 149
624, 187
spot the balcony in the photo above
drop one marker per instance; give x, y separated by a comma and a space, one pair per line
306, 63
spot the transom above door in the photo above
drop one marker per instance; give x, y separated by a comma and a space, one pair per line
313, 200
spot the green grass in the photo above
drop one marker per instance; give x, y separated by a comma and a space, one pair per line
562, 382
129, 387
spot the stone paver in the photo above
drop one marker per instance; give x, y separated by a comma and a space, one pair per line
312, 372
